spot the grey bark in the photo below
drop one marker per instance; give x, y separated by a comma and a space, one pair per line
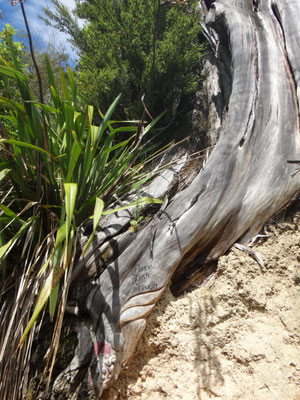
245, 181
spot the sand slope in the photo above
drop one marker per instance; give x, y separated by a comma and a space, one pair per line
236, 339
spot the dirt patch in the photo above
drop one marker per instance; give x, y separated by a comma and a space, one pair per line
237, 339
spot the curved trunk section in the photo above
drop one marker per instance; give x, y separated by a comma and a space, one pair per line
245, 181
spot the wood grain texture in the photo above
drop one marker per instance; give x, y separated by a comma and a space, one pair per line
245, 181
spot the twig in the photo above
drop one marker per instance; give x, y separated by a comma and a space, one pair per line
254, 254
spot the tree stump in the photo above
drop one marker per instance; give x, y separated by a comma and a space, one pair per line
245, 181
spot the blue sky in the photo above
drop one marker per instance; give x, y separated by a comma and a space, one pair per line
41, 33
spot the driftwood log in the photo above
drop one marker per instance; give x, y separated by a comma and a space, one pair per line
255, 98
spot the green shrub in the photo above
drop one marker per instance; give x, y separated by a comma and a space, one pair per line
116, 47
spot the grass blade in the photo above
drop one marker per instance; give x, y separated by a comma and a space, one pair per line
99, 206
75, 153
27, 145
5, 248
139, 202
70, 199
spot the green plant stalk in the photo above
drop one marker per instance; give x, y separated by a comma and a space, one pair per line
37, 74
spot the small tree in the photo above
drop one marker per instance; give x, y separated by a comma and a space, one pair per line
137, 47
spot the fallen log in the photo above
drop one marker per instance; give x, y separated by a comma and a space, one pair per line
245, 181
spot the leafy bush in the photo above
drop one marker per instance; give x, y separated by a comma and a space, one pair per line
117, 45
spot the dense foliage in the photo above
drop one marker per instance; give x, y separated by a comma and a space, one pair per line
117, 45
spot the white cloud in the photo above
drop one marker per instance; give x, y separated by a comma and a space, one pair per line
42, 33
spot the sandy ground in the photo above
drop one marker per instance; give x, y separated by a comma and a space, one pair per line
237, 339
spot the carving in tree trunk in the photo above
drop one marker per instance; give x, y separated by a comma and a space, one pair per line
245, 181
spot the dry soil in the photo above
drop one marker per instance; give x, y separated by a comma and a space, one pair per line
238, 337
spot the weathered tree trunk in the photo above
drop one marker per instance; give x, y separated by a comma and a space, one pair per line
245, 181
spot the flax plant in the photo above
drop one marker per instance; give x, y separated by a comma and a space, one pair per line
57, 171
